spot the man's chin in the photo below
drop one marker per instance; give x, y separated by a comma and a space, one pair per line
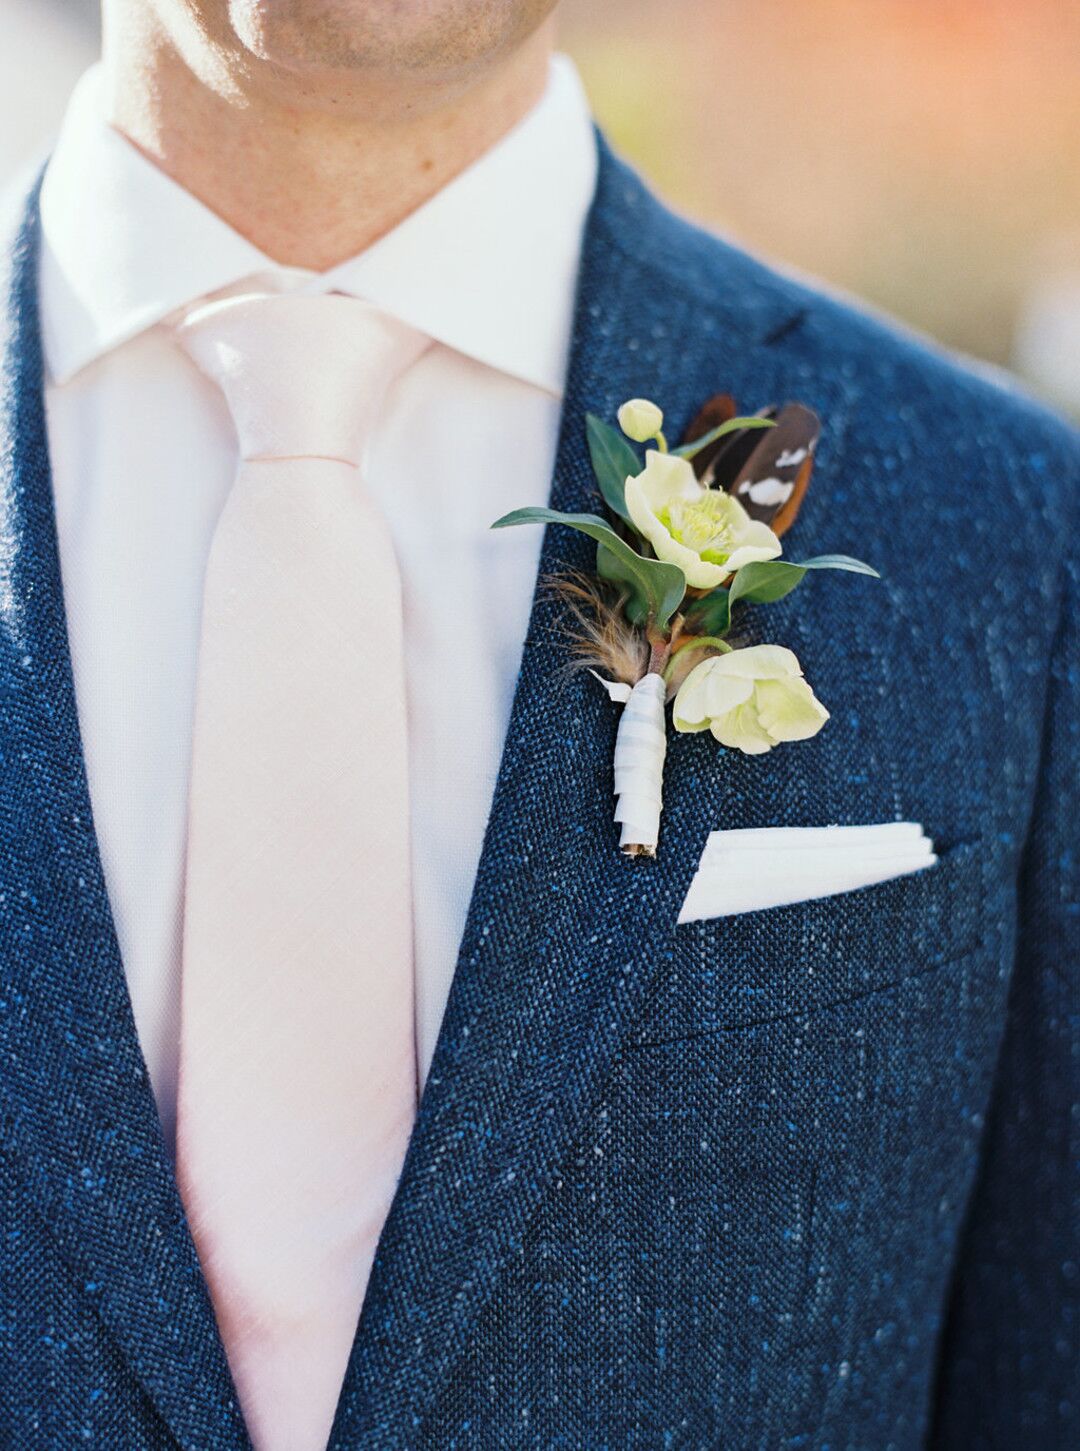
378, 44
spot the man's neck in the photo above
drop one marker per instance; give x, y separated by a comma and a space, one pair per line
306, 185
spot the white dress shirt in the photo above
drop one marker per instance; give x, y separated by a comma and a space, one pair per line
143, 455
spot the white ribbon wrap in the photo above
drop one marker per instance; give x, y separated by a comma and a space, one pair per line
640, 748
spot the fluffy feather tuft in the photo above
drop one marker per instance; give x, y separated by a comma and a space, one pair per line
601, 637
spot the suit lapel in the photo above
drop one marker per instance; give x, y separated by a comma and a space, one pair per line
78, 1116
564, 935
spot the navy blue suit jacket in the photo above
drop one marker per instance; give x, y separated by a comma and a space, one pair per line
801, 1178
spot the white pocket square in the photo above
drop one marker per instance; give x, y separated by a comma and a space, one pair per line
753, 868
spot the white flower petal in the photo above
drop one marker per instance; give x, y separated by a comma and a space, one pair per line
617, 690
760, 662
667, 477
707, 693
700, 573
741, 731
789, 710
722, 693
756, 542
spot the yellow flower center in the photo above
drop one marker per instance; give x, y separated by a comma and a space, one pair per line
706, 525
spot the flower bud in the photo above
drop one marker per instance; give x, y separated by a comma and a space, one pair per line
640, 420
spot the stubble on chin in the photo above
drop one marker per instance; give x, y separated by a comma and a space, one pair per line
382, 37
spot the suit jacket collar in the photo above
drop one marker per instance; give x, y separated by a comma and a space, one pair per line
563, 940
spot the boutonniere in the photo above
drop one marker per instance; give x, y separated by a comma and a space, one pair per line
692, 532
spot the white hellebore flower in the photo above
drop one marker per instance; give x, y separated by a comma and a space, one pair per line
750, 699
640, 420
706, 532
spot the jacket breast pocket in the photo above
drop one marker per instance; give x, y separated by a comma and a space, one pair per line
761, 967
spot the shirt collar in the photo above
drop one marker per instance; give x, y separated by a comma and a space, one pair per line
487, 266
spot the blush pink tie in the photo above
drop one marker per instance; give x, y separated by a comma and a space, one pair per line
297, 1064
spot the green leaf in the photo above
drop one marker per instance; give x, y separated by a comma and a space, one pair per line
659, 586
711, 615
763, 582
839, 561
733, 425
613, 461
610, 567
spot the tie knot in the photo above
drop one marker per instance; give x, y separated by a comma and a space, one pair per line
304, 377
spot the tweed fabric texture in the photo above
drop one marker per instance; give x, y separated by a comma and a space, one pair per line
802, 1178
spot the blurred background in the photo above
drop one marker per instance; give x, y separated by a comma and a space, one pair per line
922, 154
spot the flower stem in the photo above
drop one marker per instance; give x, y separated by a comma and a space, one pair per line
659, 651
696, 642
